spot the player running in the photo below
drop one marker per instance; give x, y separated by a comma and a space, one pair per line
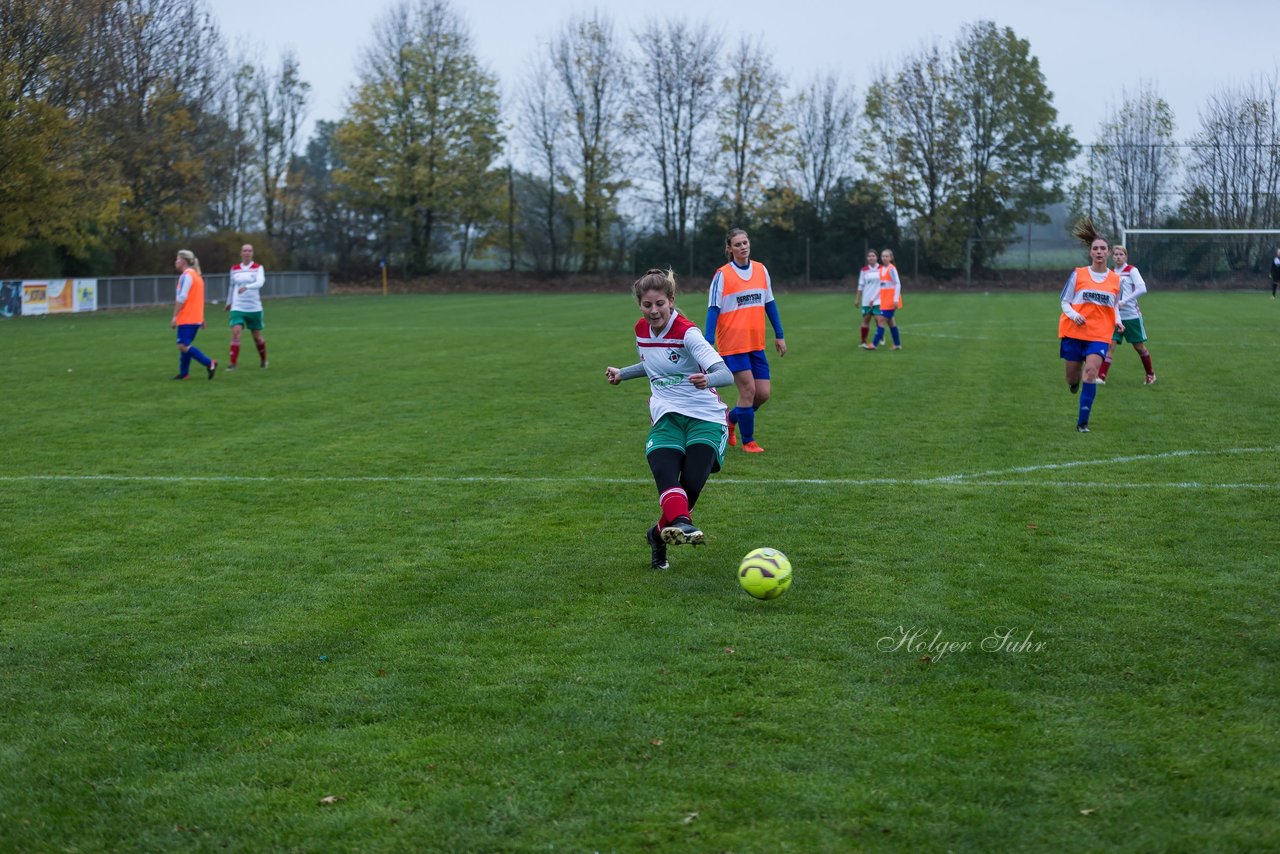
890, 300
1131, 287
244, 301
687, 437
740, 298
1090, 315
869, 291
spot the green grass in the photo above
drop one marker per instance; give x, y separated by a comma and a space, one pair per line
404, 568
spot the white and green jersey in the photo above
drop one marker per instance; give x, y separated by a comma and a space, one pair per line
251, 277
1131, 287
669, 358
869, 286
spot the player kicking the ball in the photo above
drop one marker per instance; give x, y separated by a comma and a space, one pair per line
688, 433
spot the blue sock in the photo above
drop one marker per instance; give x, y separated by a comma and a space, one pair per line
732, 415
897, 342
1087, 394
184, 364
193, 353
875, 342
746, 423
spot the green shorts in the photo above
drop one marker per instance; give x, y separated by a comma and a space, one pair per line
248, 319
870, 309
1134, 332
677, 431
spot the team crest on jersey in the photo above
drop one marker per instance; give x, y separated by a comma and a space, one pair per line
673, 357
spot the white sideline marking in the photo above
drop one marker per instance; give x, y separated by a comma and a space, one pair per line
1113, 460
964, 479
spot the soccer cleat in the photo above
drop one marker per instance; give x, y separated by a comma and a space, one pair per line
752, 448
180, 377
1082, 428
231, 367
1075, 387
897, 346
682, 531
263, 363
213, 368
657, 549
865, 346
1151, 378
733, 433
1101, 380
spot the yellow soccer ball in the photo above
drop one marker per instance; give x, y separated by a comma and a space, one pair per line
765, 573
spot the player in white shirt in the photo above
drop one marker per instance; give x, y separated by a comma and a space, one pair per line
869, 292
1135, 332
688, 434
244, 301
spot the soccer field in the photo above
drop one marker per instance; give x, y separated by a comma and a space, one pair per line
393, 593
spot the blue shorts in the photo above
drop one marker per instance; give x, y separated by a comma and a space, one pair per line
1075, 349
187, 332
755, 362
887, 314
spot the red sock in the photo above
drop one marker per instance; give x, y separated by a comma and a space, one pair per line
262, 349
1146, 362
235, 354
675, 503
864, 335
1106, 366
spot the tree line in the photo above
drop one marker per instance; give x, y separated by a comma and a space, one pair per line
129, 127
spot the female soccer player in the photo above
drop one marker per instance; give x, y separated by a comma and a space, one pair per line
890, 300
869, 290
687, 440
1131, 287
741, 297
1090, 314
244, 301
188, 313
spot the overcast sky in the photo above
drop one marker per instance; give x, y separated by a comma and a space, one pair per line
1089, 52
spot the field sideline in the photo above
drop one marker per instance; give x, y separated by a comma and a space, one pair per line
392, 593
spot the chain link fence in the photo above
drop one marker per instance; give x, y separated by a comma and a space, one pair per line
138, 291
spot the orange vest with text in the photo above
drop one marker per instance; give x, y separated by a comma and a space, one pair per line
192, 310
740, 328
1097, 302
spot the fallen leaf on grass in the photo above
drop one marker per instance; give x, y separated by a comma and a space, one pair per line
691, 818
729, 650
330, 799
657, 742
1089, 811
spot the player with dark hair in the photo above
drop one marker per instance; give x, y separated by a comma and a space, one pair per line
244, 301
740, 299
869, 295
1090, 315
1132, 286
1275, 273
688, 435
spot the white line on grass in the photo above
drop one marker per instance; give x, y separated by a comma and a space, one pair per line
966, 479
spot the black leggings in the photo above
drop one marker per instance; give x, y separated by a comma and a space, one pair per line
689, 470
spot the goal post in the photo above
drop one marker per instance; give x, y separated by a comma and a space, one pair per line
1215, 257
